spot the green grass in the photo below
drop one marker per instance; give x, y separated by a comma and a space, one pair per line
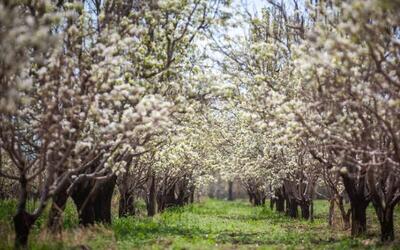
211, 224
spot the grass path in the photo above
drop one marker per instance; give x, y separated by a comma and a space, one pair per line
234, 225
211, 224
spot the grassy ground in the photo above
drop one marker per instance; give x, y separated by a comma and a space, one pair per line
211, 224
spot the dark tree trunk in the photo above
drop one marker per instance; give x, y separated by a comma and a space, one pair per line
331, 214
152, 198
126, 205
170, 200
251, 198
305, 210
183, 195
287, 205
93, 201
102, 204
358, 218
86, 213
23, 222
280, 204
79, 196
385, 217
387, 229
56, 212
272, 203
230, 191
191, 199
293, 212
355, 188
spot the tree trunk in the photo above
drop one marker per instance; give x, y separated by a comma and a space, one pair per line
305, 210
355, 188
387, 230
230, 191
251, 198
287, 206
126, 205
152, 198
280, 204
183, 195
358, 218
93, 201
331, 215
170, 200
272, 203
54, 223
385, 217
293, 213
191, 199
102, 205
23, 222
345, 215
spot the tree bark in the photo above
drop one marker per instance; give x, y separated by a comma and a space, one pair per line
126, 205
358, 218
230, 191
387, 230
93, 201
152, 198
251, 198
23, 222
280, 204
54, 223
355, 188
293, 212
331, 214
345, 215
191, 199
272, 203
102, 205
385, 217
169, 198
305, 210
